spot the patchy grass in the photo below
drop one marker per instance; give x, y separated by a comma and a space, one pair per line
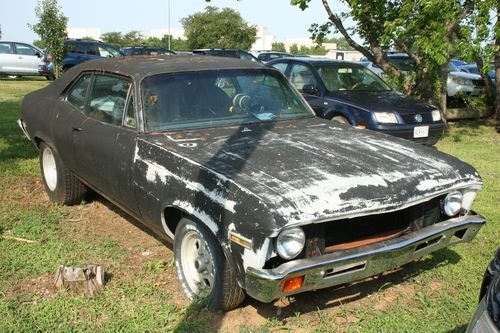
436, 294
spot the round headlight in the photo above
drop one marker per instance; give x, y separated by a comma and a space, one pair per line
453, 203
290, 243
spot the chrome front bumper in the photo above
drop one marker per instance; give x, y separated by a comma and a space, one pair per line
349, 265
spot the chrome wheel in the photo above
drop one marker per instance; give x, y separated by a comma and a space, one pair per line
197, 263
49, 169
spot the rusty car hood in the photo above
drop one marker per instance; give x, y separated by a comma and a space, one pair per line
315, 170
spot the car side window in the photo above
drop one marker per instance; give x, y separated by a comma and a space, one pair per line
302, 75
25, 50
76, 95
107, 99
281, 66
5, 48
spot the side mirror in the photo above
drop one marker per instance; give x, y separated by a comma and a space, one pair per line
38, 54
310, 89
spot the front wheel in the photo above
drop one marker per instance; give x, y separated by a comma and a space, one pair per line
59, 182
203, 270
341, 119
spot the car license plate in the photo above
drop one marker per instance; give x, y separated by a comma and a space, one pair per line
421, 132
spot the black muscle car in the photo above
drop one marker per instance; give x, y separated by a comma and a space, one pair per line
225, 159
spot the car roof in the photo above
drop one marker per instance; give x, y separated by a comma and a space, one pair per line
278, 52
142, 66
218, 49
314, 60
468, 66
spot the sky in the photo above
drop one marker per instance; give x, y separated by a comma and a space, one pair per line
280, 18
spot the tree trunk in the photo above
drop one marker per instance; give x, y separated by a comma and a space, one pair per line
424, 83
443, 95
88, 280
490, 88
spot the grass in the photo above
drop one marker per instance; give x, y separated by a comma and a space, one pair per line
437, 294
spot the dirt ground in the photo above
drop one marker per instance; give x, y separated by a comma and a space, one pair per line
100, 218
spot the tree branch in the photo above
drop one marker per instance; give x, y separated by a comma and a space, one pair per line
377, 55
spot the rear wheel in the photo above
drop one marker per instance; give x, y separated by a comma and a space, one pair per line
341, 119
202, 268
59, 182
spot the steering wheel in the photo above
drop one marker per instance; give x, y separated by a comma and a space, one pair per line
241, 103
356, 85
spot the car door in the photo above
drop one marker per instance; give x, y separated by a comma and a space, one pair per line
103, 135
29, 59
302, 76
8, 58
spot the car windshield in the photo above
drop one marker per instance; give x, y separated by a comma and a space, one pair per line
109, 52
453, 68
218, 98
348, 77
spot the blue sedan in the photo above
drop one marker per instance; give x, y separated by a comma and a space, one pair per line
350, 93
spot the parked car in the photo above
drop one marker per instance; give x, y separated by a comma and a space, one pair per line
460, 82
402, 61
81, 50
486, 319
349, 93
266, 56
146, 50
472, 68
231, 53
371, 66
226, 160
457, 62
19, 59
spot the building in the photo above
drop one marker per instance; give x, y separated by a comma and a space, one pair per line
263, 40
349, 55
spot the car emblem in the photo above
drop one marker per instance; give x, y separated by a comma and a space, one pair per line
418, 118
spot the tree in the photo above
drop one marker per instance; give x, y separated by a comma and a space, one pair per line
0, 31
426, 30
315, 50
40, 44
52, 30
114, 38
133, 38
278, 46
294, 49
216, 28
176, 44
480, 44
341, 42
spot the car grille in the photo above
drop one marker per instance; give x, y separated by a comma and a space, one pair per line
364, 230
479, 83
343, 234
410, 118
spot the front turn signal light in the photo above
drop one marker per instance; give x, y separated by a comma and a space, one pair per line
292, 284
